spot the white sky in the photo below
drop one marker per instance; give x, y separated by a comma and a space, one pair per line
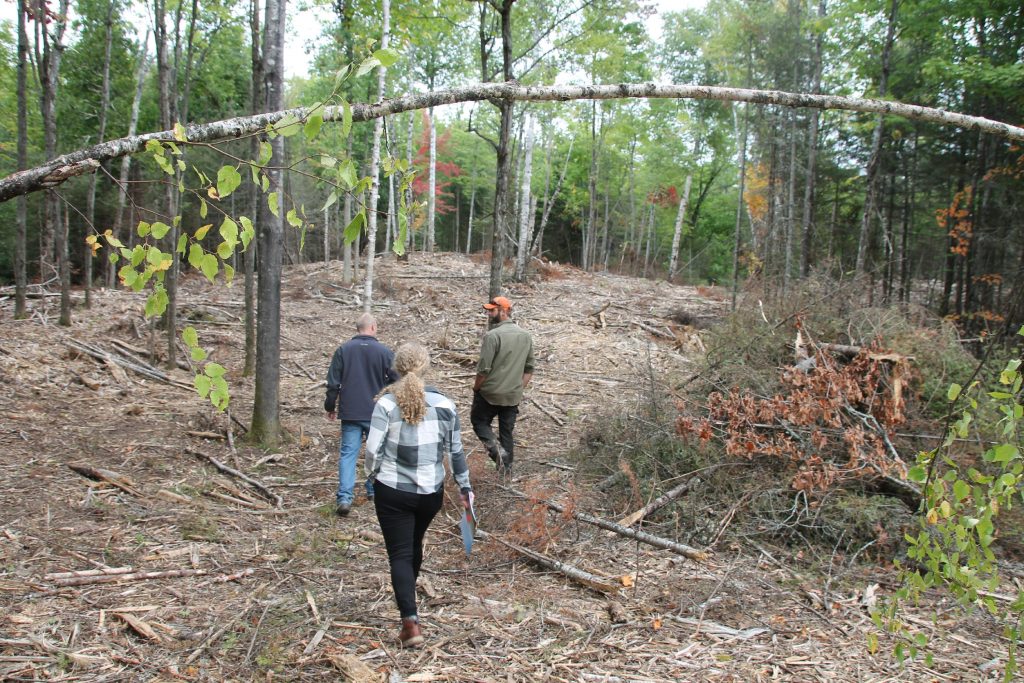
304, 28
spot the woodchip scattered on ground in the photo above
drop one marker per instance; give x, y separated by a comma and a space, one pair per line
130, 551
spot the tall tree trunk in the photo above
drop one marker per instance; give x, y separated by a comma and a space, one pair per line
525, 219
787, 261
90, 200
266, 420
409, 241
255, 194
673, 264
737, 241
874, 162
378, 125
21, 237
503, 158
166, 88
909, 207
431, 183
49, 50
126, 160
472, 204
812, 154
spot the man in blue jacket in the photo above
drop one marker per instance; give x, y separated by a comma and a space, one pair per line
360, 368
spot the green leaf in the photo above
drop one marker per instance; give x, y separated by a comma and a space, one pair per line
346, 118
190, 336
229, 273
1004, 452
154, 256
331, 199
195, 255
214, 370
228, 180
272, 204
202, 383
341, 75
353, 228
347, 174
312, 128
398, 246
202, 208
209, 266
156, 302
916, 474
143, 228
138, 255
287, 125
293, 218
201, 232
112, 257
225, 250
266, 152
387, 56
954, 391
328, 161
248, 231
198, 354
182, 243
961, 490
229, 231
302, 238
368, 65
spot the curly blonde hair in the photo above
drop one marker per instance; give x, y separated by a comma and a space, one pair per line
411, 361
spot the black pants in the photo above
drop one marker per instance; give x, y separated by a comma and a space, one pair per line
482, 414
404, 518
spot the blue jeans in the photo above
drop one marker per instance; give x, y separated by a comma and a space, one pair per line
352, 434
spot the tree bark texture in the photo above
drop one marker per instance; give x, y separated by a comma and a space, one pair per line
371, 209
21, 236
57, 170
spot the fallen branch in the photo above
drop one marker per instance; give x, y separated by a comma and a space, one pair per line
276, 499
653, 330
136, 365
135, 576
56, 576
658, 503
107, 476
586, 578
642, 536
547, 412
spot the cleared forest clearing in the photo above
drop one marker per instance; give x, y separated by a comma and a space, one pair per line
129, 554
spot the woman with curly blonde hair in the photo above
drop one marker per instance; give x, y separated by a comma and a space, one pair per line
412, 429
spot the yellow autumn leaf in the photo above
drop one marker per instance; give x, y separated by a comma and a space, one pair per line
933, 516
656, 624
212, 193
627, 580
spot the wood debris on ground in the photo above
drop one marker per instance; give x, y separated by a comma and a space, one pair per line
137, 544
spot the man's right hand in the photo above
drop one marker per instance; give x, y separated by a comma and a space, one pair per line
330, 415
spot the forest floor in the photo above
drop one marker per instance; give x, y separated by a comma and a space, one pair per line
216, 583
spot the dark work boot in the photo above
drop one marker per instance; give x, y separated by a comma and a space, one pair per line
410, 635
494, 452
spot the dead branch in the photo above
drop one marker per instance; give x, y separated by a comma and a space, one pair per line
558, 420
586, 578
56, 576
107, 476
276, 499
658, 503
136, 365
653, 330
135, 576
642, 536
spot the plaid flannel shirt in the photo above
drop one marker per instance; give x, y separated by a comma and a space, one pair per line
410, 457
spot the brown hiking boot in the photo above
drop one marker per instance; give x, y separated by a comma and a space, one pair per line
410, 635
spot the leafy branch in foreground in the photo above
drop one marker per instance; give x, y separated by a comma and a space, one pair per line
963, 497
146, 263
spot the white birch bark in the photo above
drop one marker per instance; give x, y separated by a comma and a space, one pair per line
525, 215
56, 171
677, 235
431, 183
371, 209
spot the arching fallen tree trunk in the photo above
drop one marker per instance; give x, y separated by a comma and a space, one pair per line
60, 169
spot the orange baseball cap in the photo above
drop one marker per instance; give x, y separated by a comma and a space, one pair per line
498, 302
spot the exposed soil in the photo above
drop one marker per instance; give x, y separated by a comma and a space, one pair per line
250, 591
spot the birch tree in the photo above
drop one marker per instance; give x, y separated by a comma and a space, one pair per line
378, 125
525, 214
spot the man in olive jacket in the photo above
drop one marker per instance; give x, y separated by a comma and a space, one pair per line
503, 371
360, 368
